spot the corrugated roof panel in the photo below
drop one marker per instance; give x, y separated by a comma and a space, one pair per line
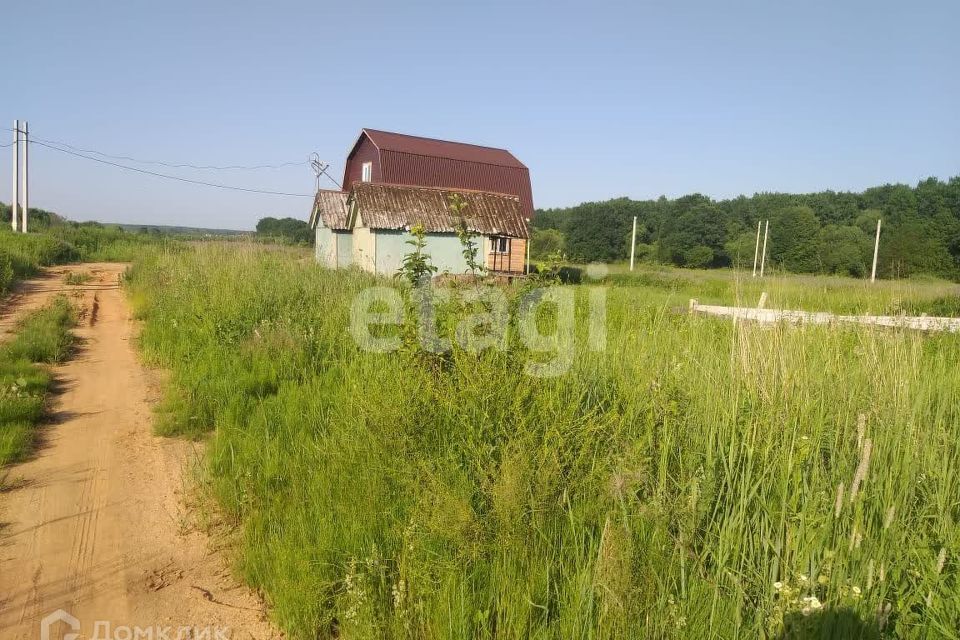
429, 171
384, 206
331, 208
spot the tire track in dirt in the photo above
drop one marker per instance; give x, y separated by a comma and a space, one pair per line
95, 522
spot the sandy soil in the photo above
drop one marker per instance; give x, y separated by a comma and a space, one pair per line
96, 524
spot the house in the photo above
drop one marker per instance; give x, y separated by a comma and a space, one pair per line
393, 182
334, 235
396, 158
369, 226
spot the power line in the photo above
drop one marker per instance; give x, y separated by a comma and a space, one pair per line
320, 169
169, 177
332, 179
175, 165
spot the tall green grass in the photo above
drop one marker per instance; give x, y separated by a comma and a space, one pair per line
42, 338
931, 296
697, 479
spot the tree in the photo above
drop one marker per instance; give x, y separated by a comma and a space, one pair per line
697, 223
544, 242
699, 257
286, 229
844, 250
809, 232
742, 249
909, 249
793, 239
599, 232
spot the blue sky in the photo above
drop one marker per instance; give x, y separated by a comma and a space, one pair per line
598, 99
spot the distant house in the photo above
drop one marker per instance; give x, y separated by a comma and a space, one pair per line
370, 227
394, 181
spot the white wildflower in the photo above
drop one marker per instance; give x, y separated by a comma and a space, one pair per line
811, 604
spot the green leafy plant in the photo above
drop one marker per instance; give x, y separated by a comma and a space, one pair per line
416, 267
471, 249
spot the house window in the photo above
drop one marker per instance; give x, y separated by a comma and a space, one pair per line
499, 244
366, 174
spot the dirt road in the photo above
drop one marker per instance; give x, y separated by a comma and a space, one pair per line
95, 523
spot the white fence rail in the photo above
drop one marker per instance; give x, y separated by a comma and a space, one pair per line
921, 323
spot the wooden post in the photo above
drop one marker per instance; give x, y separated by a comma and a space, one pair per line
756, 250
633, 242
876, 251
26, 185
763, 257
526, 264
14, 194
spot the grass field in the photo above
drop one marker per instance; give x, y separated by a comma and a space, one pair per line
694, 479
835, 294
42, 338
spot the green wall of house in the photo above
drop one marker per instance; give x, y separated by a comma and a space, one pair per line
344, 241
333, 248
444, 249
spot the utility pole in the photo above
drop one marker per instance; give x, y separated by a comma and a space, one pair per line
15, 195
26, 184
756, 250
876, 251
633, 242
763, 257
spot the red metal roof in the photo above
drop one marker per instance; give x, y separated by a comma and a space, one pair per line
397, 158
402, 143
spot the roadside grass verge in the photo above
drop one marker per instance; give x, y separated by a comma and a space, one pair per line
22, 255
695, 479
42, 338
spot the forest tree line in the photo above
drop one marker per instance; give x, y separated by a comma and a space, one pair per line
292, 230
826, 232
